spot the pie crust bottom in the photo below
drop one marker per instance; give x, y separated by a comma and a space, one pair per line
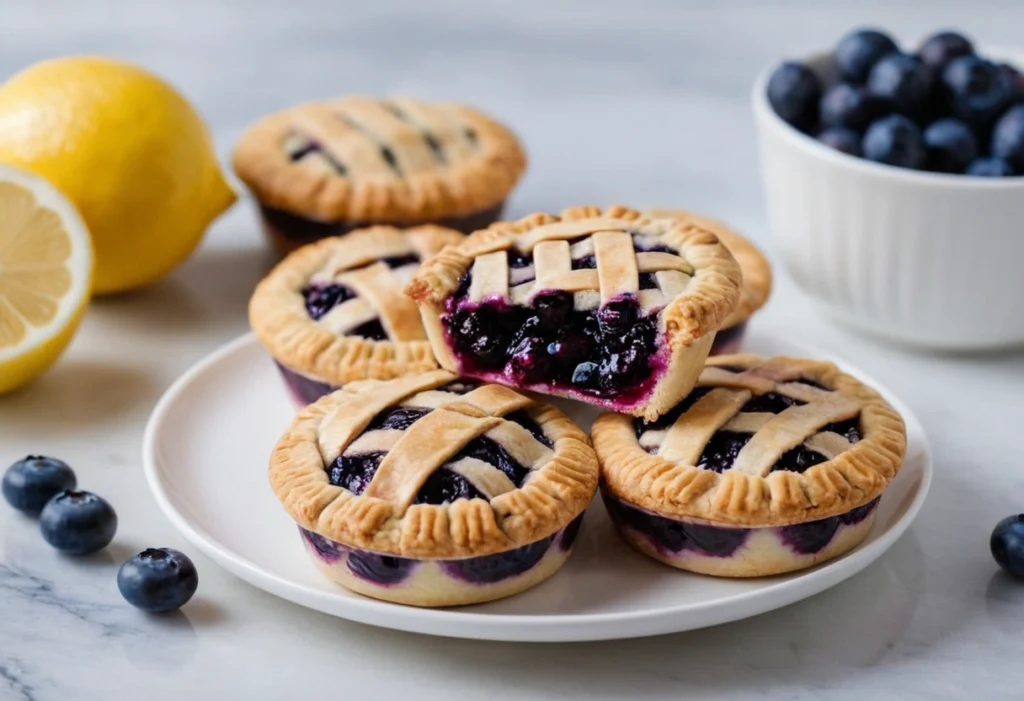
433, 583
287, 231
728, 341
739, 552
303, 389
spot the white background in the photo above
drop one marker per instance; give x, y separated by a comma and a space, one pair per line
643, 103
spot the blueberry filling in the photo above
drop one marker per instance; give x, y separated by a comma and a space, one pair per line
721, 451
489, 569
603, 353
327, 549
672, 536
379, 569
321, 299
443, 486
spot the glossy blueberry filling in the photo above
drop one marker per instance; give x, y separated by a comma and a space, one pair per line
354, 472
606, 353
288, 231
720, 453
305, 389
487, 569
674, 537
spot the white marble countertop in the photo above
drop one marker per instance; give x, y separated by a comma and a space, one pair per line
637, 102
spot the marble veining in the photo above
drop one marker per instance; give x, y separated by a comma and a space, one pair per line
643, 103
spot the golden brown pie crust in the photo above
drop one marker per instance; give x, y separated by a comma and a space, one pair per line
675, 490
757, 271
466, 182
278, 315
555, 493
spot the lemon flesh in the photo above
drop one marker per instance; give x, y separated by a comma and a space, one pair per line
46, 262
128, 150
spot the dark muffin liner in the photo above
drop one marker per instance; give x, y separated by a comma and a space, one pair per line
287, 231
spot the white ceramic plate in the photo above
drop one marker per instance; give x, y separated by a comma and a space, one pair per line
205, 454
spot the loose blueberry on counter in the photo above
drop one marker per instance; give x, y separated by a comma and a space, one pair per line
1007, 544
848, 106
950, 146
78, 523
794, 92
975, 90
902, 83
993, 167
894, 140
29, 483
840, 139
942, 47
859, 51
158, 580
1008, 137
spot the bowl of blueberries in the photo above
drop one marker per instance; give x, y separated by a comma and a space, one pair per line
894, 182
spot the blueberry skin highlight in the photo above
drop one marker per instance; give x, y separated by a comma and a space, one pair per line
896, 141
78, 523
158, 580
902, 83
843, 140
990, 168
859, 51
975, 90
848, 106
1007, 545
1008, 137
950, 146
29, 483
942, 47
794, 92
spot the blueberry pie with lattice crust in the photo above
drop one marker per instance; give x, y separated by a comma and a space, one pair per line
768, 466
757, 278
333, 311
605, 306
325, 168
429, 490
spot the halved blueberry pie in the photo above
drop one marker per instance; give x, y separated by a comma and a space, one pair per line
768, 466
325, 168
433, 491
605, 306
333, 311
757, 277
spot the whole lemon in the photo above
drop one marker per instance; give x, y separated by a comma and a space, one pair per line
128, 150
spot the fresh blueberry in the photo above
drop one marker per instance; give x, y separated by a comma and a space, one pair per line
78, 523
975, 90
942, 47
1016, 80
616, 317
993, 167
28, 484
859, 51
1008, 137
896, 141
794, 92
585, 374
902, 83
848, 106
950, 146
158, 580
1007, 543
841, 139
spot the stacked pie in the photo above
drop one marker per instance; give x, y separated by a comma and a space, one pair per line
424, 466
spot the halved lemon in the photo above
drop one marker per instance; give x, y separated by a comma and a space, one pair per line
46, 262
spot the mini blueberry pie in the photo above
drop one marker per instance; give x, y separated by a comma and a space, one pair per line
605, 306
433, 491
334, 311
768, 466
325, 168
757, 278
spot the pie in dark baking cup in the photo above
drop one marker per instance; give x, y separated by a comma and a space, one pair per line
429, 490
334, 311
326, 168
768, 466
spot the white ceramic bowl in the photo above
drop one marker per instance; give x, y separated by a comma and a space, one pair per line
922, 258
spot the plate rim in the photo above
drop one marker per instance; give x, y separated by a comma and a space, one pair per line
456, 623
